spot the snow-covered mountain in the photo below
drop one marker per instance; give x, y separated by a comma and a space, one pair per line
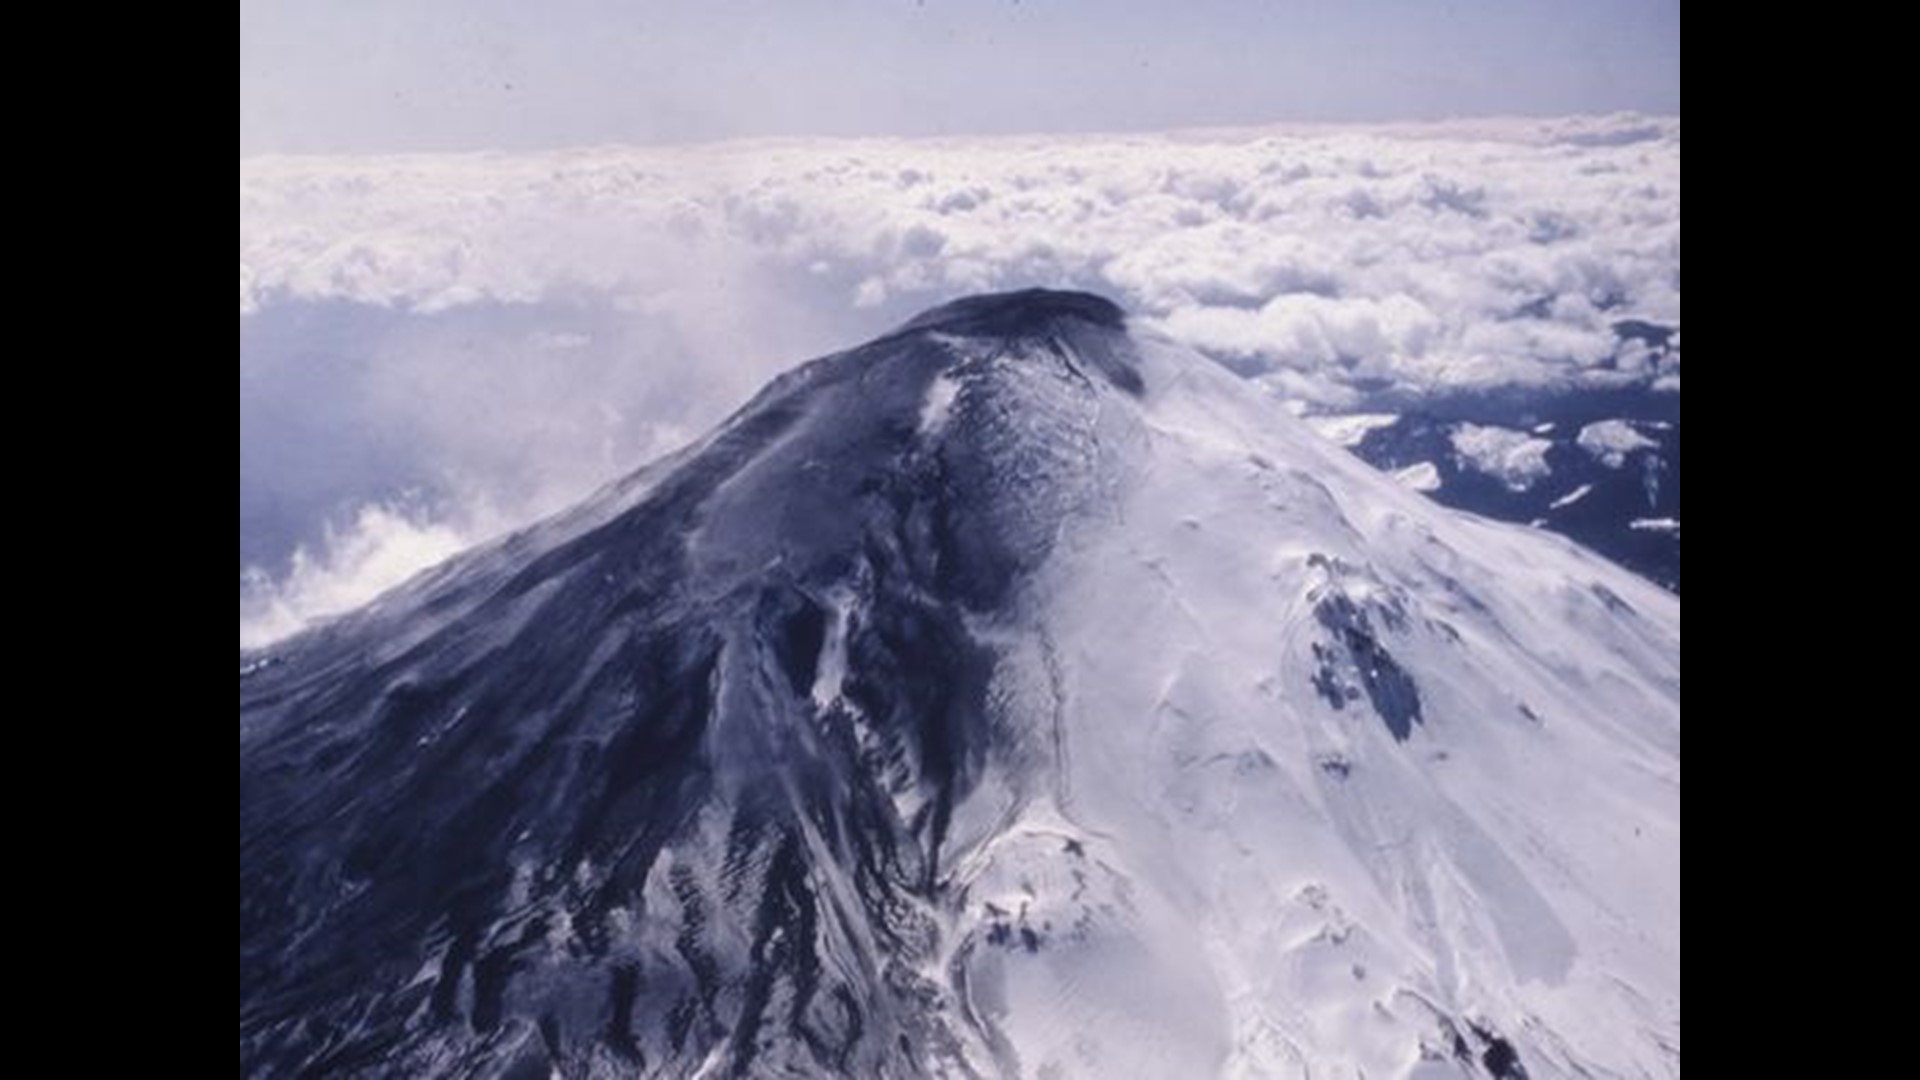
1012, 696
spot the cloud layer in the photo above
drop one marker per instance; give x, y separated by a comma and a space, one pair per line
1437, 255
514, 328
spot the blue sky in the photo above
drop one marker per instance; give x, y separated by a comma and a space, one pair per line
398, 75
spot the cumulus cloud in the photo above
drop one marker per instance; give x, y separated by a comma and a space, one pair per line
381, 547
526, 325
1514, 458
1610, 441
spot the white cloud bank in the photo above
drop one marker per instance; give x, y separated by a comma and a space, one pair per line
1330, 263
1437, 255
382, 547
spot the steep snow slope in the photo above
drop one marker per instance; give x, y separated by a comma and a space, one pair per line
1010, 696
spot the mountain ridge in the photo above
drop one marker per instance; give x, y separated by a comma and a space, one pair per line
882, 730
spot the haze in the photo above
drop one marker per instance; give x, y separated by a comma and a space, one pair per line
355, 76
